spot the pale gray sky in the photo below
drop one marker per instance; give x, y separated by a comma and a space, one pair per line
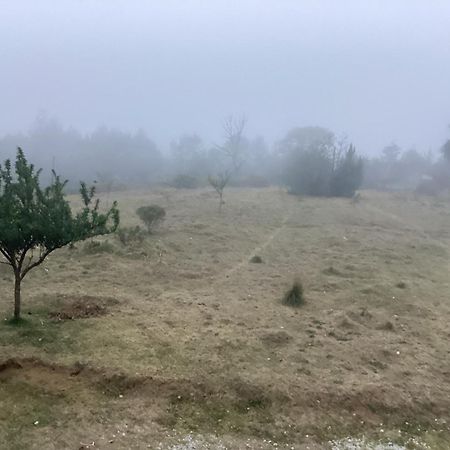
376, 70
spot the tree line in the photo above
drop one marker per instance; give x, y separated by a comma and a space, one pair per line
307, 160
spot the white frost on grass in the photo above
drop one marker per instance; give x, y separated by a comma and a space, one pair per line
197, 443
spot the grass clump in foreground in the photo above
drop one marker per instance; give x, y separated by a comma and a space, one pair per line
294, 296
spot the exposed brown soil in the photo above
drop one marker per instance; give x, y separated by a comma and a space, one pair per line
370, 405
82, 307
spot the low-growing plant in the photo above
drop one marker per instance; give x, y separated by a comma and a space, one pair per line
151, 215
256, 259
94, 247
294, 296
131, 235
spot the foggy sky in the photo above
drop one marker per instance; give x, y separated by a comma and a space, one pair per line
378, 71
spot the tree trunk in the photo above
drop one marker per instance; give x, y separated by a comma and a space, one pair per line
17, 296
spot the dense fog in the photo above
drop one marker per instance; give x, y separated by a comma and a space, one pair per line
137, 93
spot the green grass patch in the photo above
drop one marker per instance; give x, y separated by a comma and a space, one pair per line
24, 410
36, 330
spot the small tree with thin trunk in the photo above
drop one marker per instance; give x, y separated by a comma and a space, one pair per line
218, 183
234, 136
35, 221
233, 150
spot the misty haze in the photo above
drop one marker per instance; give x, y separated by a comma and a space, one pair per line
225, 225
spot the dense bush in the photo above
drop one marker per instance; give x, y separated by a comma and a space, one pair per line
316, 165
308, 172
347, 175
151, 215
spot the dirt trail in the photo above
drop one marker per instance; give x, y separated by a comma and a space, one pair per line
255, 251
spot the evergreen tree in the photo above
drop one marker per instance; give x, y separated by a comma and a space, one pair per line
348, 174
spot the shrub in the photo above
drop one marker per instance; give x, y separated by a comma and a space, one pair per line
184, 182
151, 215
131, 235
256, 259
347, 175
294, 296
308, 172
317, 165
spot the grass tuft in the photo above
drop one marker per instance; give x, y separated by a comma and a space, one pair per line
256, 259
294, 296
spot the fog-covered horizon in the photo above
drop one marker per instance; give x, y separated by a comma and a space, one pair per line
376, 71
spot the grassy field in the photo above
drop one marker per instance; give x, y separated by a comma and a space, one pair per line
181, 342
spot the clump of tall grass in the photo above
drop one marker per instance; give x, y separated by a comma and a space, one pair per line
294, 296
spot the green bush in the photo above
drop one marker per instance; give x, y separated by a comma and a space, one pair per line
347, 176
151, 215
317, 165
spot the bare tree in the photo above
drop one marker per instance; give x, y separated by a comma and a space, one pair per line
233, 132
233, 149
218, 183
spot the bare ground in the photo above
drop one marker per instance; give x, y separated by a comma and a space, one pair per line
182, 341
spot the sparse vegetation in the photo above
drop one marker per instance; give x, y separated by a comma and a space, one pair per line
151, 215
92, 247
108, 333
131, 235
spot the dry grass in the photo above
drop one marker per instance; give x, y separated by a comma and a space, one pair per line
195, 338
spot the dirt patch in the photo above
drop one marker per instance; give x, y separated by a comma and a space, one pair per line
84, 307
82, 377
